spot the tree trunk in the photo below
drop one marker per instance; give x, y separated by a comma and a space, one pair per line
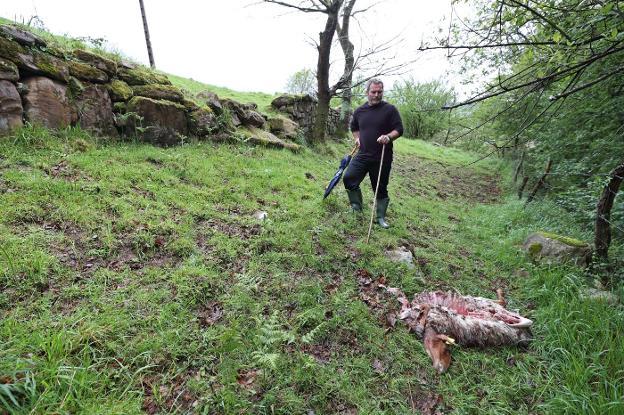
347, 76
540, 182
515, 177
147, 36
602, 234
525, 180
322, 71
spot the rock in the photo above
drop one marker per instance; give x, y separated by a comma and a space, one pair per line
284, 127
265, 138
254, 119
155, 91
401, 255
8, 70
11, 110
119, 91
141, 76
163, 121
600, 295
189, 105
212, 100
21, 36
557, 248
87, 72
95, 110
202, 122
46, 103
39, 63
302, 110
261, 215
10, 50
100, 62
244, 112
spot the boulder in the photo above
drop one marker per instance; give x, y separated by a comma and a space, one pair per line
10, 49
87, 72
141, 76
156, 91
95, 110
46, 103
163, 122
119, 91
285, 100
556, 248
212, 100
8, 70
10, 107
265, 138
202, 122
100, 62
244, 112
401, 255
21, 36
39, 63
189, 105
284, 127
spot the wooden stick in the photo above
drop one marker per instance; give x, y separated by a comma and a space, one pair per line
383, 149
540, 183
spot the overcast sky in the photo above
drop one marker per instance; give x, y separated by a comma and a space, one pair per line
240, 44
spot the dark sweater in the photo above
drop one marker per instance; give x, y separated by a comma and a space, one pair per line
372, 122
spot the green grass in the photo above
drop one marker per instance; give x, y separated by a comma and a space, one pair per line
135, 279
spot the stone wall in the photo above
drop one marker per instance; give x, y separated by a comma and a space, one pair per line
302, 110
40, 84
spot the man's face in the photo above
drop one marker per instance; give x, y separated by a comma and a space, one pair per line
375, 94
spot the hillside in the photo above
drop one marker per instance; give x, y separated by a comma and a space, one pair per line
136, 279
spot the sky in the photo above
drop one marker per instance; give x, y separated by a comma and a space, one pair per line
245, 45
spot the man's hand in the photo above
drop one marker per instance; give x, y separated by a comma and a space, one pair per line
357, 142
383, 139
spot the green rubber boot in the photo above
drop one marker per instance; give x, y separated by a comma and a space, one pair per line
382, 206
355, 198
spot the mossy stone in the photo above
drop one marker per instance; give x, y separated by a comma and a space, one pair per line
190, 105
119, 90
86, 72
535, 249
100, 62
157, 91
8, 70
142, 76
564, 239
120, 107
10, 50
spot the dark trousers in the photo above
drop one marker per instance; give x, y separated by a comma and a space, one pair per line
357, 170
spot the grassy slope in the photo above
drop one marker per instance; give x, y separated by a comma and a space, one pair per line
135, 279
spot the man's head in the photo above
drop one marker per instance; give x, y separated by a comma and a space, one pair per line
374, 91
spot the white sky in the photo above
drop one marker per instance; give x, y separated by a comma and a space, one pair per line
240, 44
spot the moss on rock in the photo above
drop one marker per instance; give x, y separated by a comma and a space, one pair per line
100, 62
10, 50
157, 91
86, 72
119, 90
142, 76
8, 70
564, 239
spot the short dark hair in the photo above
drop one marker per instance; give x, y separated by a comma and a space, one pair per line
371, 81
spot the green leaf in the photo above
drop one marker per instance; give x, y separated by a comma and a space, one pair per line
557, 37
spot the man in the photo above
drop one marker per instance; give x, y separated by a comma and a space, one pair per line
374, 125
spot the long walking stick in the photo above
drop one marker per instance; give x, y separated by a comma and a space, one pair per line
383, 149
